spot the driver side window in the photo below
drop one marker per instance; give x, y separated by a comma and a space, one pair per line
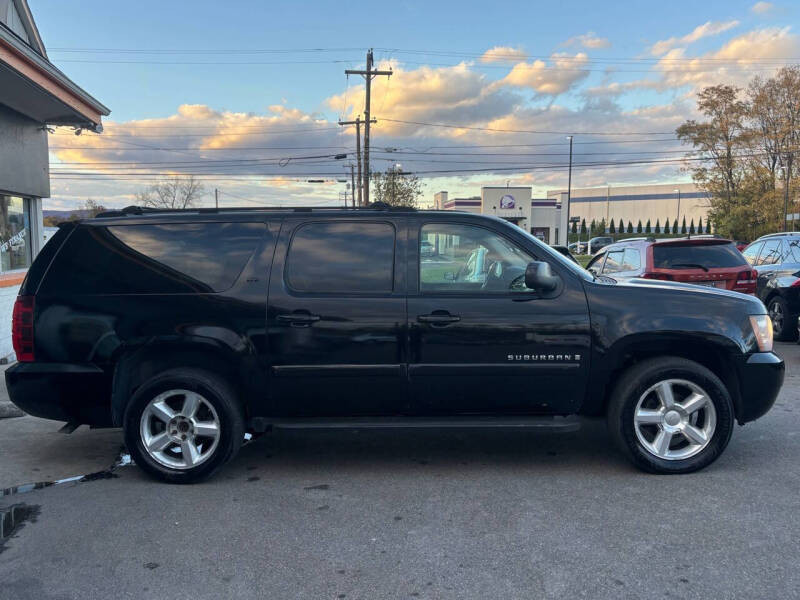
463, 258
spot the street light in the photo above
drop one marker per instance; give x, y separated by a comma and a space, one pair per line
569, 186
785, 198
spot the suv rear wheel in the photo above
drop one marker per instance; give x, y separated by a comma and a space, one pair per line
670, 415
182, 425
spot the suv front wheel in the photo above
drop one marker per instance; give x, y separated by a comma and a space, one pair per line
670, 415
182, 425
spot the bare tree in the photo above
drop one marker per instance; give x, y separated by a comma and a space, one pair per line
174, 192
397, 188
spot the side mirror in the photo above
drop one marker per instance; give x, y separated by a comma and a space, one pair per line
539, 277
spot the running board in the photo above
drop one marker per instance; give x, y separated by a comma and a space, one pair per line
543, 423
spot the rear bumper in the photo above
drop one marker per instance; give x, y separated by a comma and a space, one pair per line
62, 392
760, 381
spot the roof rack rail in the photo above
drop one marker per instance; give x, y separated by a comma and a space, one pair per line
147, 210
780, 233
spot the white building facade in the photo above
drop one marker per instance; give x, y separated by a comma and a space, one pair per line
543, 218
654, 203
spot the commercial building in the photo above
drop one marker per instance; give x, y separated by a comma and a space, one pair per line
544, 218
34, 94
654, 203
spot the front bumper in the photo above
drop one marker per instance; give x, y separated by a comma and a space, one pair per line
760, 381
62, 392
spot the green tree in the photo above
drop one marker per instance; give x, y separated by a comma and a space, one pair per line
592, 227
647, 227
574, 227
675, 226
700, 225
583, 226
611, 228
639, 227
396, 188
708, 225
691, 227
658, 226
683, 226
621, 227
630, 227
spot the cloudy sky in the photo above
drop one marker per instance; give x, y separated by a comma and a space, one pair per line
247, 95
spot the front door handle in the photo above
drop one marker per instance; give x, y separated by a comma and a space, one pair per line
438, 318
298, 319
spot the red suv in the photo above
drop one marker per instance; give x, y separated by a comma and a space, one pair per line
713, 262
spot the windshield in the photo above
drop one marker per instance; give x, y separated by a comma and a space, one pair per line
700, 256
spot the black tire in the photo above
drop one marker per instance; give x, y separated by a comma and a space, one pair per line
215, 391
641, 377
786, 330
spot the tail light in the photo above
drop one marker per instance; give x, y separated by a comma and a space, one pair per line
22, 328
746, 281
661, 276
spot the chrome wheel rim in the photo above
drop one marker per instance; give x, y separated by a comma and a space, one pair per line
179, 429
674, 419
776, 314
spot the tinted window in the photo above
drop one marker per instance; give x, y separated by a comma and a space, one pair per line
614, 261
751, 252
342, 257
631, 260
791, 251
709, 256
771, 253
153, 259
470, 259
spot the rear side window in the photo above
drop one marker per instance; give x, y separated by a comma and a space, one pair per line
791, 251
342, 257
153, 259
707, 256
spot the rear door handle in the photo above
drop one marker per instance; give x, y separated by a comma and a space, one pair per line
438, 318
298, 319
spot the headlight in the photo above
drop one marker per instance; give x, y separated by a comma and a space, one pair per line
762, 329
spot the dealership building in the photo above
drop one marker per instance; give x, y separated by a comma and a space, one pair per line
543, 217
637, 203
34, 96
546, 218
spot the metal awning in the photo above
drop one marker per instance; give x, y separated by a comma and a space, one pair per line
34, 87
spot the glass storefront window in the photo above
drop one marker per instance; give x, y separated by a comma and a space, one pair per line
15, 233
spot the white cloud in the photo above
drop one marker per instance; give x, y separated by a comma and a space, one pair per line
732, 63
761, 8
557, 77
588, 40
503, 54
707, 29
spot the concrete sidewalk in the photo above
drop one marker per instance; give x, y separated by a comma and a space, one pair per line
7, 409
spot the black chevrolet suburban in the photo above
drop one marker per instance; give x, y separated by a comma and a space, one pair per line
189, 328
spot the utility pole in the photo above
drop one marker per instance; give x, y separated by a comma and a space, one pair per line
569, 190
357, 123
368, 75
216, 198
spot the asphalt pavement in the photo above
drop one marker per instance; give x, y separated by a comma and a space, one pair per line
420, 514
